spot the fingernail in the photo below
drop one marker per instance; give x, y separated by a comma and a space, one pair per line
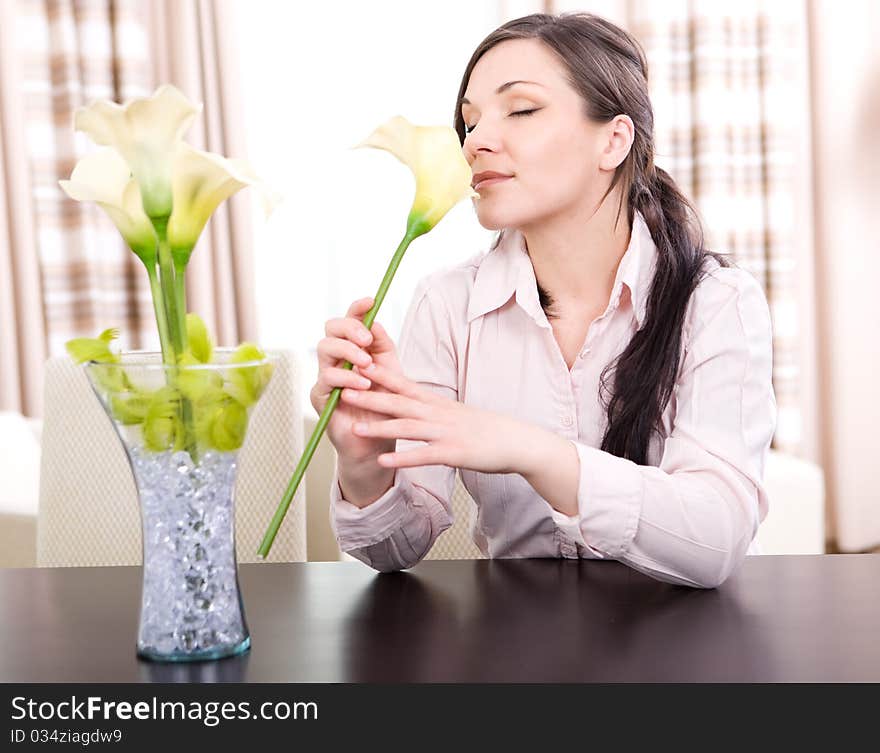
371, 367
363, 382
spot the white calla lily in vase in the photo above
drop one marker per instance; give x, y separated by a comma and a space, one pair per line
201, 182
146, 133
443, 178
182, 420
160, 193
105, 178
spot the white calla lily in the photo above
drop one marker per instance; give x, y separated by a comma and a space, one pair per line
433, 153
145, 132
443, 178
105, 178
160, 192
201, 182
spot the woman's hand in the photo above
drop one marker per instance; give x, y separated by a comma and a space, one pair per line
461, 436
349, 340
457, 435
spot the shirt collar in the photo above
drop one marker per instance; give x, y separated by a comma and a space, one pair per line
507, 270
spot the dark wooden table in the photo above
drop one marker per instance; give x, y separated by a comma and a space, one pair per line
780, 618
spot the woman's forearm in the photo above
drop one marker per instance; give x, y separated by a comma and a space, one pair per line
363, 484
550, 463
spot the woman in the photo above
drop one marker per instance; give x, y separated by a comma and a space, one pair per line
602, 381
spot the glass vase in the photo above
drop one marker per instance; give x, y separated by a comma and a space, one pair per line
182, 427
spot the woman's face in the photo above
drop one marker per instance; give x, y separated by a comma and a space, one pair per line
535, 134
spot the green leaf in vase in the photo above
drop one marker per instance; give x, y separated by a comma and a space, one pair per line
247, 383
130, 408
111, 378
83, 349
163, 428
200, 344
196, 383
221, 422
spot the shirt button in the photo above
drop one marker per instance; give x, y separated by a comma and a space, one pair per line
583, 353
567, 421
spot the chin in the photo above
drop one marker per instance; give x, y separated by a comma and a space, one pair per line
496, 218
491, 224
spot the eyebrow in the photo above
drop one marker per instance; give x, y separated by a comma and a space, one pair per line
504, 88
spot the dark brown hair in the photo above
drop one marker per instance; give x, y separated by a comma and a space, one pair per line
607, 67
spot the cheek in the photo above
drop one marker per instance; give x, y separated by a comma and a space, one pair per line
558, 163
563, 172
553, 168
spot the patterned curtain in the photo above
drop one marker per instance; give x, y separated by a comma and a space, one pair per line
194, 48
64, 270
721, 79
728, 117
71, 52
22, 341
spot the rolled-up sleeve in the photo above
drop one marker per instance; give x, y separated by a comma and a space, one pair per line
691, 519
398, 529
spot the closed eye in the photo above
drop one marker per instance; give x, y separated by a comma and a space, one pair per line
469, 129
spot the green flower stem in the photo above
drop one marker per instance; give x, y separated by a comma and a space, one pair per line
169, 294
414, 229
180, 299
180, 307
172, 281
161, 315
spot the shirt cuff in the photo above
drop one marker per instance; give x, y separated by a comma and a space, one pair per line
357, 527
610, 493
570, 525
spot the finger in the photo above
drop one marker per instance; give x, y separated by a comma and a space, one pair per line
397, 428
397, 382
348, 329
382, 342
333, 377
426, 455
360, 307
386, 402
332, 350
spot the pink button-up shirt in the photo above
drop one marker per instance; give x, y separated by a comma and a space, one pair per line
476, 333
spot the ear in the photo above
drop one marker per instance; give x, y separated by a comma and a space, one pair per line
619, 134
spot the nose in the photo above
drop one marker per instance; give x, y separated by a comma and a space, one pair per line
480, 140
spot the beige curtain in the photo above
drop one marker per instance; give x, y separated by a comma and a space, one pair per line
731, 107
64, 270
194, 49
722, 78
768, 113
22, 333
731, 112
845, 91
73, 52
74, 276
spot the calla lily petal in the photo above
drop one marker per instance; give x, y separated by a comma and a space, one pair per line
145, 132
433, 153
201, 182
105, 178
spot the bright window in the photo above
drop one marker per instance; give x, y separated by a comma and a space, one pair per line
317, 79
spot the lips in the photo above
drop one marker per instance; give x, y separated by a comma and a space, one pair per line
488, 177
